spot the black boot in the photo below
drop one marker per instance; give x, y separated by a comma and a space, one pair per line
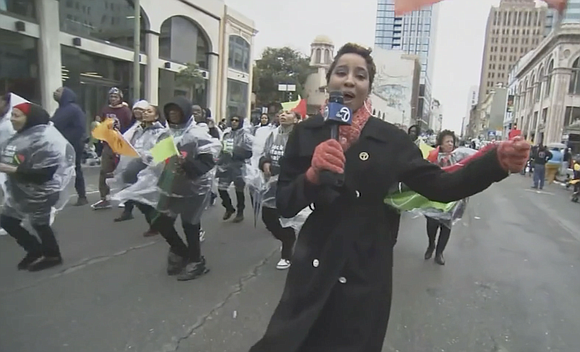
29, 259
228, 214
429, 252
193, 270
175, 263
124, 217
439, 259
45, 263
239, 217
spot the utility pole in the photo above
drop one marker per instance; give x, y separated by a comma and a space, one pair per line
137, 52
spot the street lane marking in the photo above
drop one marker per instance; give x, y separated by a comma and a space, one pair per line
539, 192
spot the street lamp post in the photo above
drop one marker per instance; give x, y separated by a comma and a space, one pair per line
137, 52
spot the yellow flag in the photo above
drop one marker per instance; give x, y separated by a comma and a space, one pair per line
164, 150
288, 106
425, 149
105, 132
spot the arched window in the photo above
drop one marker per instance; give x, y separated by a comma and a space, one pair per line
318, 57
574, 87
111, 21
549, 74
540, 84
182, 40
24, 8
239, 56
327, 58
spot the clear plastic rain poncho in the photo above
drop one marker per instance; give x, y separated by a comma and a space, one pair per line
404, 199
234, 159
136, 178
180, 194
262, 188
39, 147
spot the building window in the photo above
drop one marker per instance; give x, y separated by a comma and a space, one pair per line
91, 76
19, 65
240, 55
549, 79
540, 84
24, 8
183, 41
112, 24
237, 98
574, 87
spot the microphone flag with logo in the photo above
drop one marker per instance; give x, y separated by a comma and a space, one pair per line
336, 113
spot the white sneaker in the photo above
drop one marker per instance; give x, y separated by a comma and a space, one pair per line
283, 264
201, 235
122, 205
3, 232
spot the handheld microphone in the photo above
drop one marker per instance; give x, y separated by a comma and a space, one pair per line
335, 114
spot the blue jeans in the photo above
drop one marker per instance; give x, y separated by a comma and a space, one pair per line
539, 175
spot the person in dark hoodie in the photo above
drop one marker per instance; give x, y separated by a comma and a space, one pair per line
185, 186
237, 150
31, 158
71, 122
119, 111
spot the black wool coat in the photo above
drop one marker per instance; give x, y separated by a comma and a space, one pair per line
337, 296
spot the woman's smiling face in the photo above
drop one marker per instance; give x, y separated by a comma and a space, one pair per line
351, 77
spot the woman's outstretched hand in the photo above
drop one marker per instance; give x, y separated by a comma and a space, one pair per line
329, 156
513, 154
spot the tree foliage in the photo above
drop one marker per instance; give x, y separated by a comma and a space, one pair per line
279, 66
189, 76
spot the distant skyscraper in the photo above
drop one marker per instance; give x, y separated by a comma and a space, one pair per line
413, 33
513, 29
472, 100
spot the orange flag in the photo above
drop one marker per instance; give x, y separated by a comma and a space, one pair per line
105, 132
404, 6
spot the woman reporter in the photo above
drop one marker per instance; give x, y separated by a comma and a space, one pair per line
338, 290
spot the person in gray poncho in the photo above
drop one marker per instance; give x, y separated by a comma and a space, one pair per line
236, 152
270, 166
38, 163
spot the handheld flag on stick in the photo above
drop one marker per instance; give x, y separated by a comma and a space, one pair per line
164, 150
106, 133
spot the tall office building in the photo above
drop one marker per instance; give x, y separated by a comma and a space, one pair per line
513, 29
414, 33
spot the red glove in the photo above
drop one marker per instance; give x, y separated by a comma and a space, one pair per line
513, 154
329, 156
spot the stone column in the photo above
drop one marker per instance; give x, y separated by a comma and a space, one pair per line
529, 110
213, 86
557, 109
152, 68
224, 81
542, 88
49, 52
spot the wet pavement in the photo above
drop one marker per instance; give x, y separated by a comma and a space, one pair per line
511, 284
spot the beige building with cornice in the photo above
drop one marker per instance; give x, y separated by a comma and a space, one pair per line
545, 85
88, 46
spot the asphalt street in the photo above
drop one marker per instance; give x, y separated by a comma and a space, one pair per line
511, 283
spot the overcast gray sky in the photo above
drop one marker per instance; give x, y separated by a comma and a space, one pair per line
459, 48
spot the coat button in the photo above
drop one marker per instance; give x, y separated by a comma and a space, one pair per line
315, 263
342, 280
357, 194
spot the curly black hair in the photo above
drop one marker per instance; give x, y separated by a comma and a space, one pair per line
444, 134
352, 48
